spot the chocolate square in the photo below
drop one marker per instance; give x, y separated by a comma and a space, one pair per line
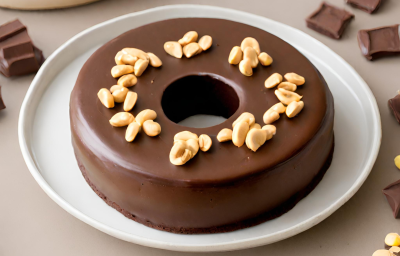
394, 105
368, 6
2, 106
329, 20
379, 42
392, 193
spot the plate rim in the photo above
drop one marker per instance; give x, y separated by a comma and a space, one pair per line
36, 87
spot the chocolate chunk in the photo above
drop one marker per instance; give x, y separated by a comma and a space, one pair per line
378, 42
394, 104
366, 5
329, 20
18, 55
392, 193
2, 106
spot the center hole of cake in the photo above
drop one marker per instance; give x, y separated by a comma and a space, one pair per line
199, 101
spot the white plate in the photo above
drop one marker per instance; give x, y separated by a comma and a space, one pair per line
44, 136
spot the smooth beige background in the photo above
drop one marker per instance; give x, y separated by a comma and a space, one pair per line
32, 224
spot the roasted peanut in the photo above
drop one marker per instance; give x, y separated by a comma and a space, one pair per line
255, 126
382, 253
224, 135
265, 59
396, 160
135, 53
106, 98
256, 138
122, 119
286, 97
193, 145
145, 115
245, 67
188, 38
151, 128
154, 60
179, 154
279, 107
130, 101
235, 56
270, 116
174, 49
120, 94
273, 80
191, 49
239, 133
392, 239
140, 66
288, 86
250, 53
121, 70
250, 42
131, 132
205, 42
121, 59
115, 87
205, 142
270, 129
394, 249
246, 117
295, 78
118, 58
127, 80
185, 135
294, 108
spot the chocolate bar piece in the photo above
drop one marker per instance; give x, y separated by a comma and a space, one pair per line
379, 42
369, 6
18, 55
392, 193
394, 104
2, 106
329, 20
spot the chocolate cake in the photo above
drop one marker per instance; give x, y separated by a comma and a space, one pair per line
228, 187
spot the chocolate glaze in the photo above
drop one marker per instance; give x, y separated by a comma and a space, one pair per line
226, 185
394, 105
329, 20
2, 105
379, 42
368, 6
392, 193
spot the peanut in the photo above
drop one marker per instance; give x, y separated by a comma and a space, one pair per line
120, 94
174, 49
286, 97
127, 80
265, 59
279, 107
255, 126
154, 60
288, 86
135, 53
246, 117
270, 129
294, 108
180, 154
245, 67
392, 239
224, 135
130, 101
235, 56
394, 249
295, 78
122, 119
185, 135
205, 42
151, 128
381, 253
120, 70
191, 50
140, 66
256, 138
131, 132
250, 42
239, 133
270, 116
205, 142
115, 87
145, 115
121, 59
250, 53
106, 98
273, 80
118, 58
188, 38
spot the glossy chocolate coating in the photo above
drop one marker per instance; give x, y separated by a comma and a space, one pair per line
379, 42
329, 20
226, 185
368, 6
2, 105
394, 105
392, 193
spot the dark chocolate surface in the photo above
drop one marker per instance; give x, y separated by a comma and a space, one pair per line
379, 42
394, 105
2, 105
368, 6
329, 20
392, 193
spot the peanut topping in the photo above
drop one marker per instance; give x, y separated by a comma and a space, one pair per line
121, 70
239, 133
246, 117
120, 94
250, 42
151, 128
235, 56
270, 116
382, 253
118, 58
270, 129
273, 80
265, 59
205, 42
286, 97
106, 98
224, 135
127, 80
392, 239
140, 66
255, 126
295, 78
115, 87
245, 67
185, 135
130, 101
250, 53
122, 119
394, 249
279, 107
174, 49
121, 59
205, 142
131, 132
288, 86
255, 138
145, 115
294, 108
191, 50
154, 60
180, 154
135, 53
188, 38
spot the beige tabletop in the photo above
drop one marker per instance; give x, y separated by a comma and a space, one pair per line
32, 224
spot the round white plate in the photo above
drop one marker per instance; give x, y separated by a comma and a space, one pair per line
44, 136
